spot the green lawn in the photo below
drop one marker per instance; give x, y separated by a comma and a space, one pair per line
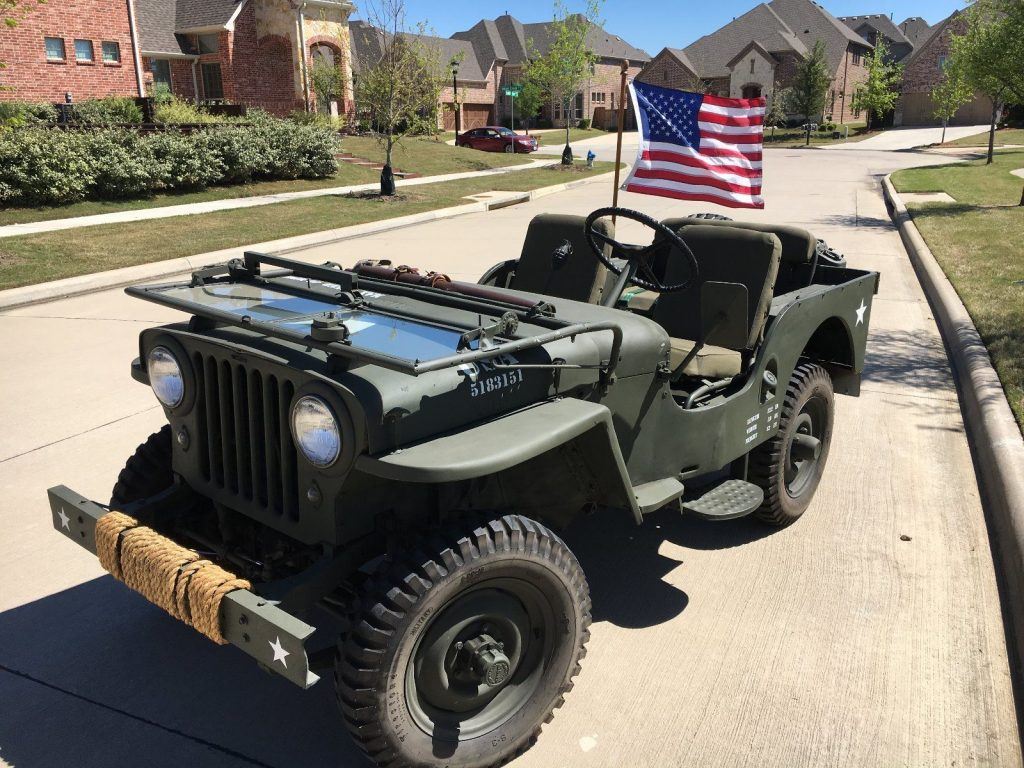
1003, 137
53, 255
428, 156
978, 244
551, 138
794, 137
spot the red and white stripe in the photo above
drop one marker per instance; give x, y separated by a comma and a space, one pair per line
727, 169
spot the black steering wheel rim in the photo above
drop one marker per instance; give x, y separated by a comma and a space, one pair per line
647, 280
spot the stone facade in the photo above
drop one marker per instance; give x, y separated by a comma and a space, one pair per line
31, 75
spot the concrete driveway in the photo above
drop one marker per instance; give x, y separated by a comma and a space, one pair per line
831, 643
908, 138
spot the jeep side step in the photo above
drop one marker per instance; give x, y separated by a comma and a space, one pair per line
727, 501
657, 493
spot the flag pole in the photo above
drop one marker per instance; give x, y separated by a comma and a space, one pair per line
618, 140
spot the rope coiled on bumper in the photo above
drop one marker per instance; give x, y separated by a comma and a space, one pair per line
187, 586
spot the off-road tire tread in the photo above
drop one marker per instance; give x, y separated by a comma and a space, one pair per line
764, 460
400, 583
147, 471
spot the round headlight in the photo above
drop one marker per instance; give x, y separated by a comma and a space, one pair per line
165, 377
316, 431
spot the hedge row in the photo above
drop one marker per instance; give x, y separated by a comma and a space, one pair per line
54, 167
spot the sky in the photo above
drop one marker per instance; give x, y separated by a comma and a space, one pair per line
653, 24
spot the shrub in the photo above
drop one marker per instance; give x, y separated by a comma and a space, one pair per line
20, 113
122, 164
237, 155
109, 111
583, 123
185, 162
177, 112
43, 167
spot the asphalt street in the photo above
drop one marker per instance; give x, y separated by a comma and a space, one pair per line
868, 634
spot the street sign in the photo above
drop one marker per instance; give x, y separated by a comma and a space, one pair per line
513, 90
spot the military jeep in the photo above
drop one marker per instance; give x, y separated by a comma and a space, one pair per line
376, 459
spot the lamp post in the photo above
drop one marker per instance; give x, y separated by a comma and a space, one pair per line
455, 97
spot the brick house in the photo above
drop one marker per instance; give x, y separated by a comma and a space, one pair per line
756, 55
78, 47
506, 44
873, 26
923, 70
252, 52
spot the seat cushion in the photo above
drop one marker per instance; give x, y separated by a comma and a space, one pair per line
708, 362
797, 243
580, 277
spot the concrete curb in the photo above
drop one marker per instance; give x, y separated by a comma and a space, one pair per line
13, 298
991, 429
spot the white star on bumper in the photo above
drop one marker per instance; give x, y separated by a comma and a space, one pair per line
64, 519
860, 312
279, 651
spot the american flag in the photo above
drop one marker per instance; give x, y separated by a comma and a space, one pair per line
698, 147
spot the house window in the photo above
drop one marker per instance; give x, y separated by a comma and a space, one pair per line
578, 112
751, 66
856, 58
83, 50
942, 63
208, 43
112, 53
664, 75
213, 86
54, 48
598, 98
161, 69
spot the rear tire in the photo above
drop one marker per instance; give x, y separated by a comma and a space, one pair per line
147, 471
789, 466
423, 677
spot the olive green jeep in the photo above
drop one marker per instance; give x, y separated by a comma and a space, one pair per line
376, 459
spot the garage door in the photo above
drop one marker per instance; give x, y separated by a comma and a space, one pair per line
477, 115
919, 109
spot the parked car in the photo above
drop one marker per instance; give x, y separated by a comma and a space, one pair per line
495, 138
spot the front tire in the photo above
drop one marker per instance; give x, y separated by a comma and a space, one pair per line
789, 466
466, 649
509, 149
147, 471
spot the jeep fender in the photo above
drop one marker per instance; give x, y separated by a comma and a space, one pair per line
499, 444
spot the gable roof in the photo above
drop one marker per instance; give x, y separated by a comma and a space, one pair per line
932, 35
712, 53
680, 55
366, 40
878, 22
508, 39
810, 23
916, 29
162, 22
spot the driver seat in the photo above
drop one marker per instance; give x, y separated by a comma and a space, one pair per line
545, 267
726, 255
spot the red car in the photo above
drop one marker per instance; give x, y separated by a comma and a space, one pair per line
494, 138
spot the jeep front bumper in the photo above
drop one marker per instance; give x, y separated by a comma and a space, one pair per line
274, 638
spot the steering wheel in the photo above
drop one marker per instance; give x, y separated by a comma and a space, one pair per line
638, 265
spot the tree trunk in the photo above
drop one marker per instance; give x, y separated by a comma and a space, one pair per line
992, 132
387, 174
943, 132
567, 152
808, 119
1022, 196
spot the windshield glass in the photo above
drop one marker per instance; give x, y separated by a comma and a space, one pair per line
506, 132
406, 339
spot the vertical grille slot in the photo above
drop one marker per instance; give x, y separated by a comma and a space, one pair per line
244, 438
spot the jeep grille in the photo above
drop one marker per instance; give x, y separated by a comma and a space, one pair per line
244, 441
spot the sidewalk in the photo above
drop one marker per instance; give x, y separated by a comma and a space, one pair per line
163, 212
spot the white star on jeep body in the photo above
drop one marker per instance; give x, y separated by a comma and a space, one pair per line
860, 312
64, 519
279, 651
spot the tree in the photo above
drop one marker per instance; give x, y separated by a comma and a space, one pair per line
810, 87
776, 115
990, 55
326, 79
401, 87
529, 101
879, 93
950, 94
561, 72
